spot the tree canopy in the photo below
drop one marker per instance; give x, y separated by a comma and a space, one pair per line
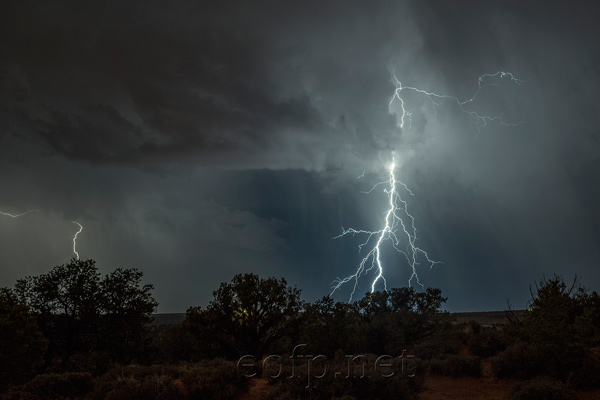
80, 312
251, 314
558, 336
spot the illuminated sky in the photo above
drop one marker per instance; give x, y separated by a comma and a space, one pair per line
197, 141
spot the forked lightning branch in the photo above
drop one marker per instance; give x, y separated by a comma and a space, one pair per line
398, 226
399, 223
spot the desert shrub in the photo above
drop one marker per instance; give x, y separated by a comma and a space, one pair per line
455, 365
439, 344
473, 327
151, 387
53, 386
437, 366
487, 343
520, 360
371, 384
588, 376
214, 379
543, 388
176, 344
560, 330
340, 388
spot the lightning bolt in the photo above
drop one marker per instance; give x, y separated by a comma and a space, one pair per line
34, 211
18, 215
75, 238
481, 120
398, 221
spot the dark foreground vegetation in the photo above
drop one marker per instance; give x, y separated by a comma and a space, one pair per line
74, 334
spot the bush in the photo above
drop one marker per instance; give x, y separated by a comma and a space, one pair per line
588, 376
519, 360
560, 330
371, 385
487, 343
151, 387
473, 327
53, 386
178, 344
440, 344
215, 379
456, 366
542, 389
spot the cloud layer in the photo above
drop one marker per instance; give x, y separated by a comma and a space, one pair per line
197, 140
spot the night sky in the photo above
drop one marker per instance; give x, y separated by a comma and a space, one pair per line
196, 140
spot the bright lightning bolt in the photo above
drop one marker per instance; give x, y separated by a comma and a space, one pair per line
75, 238
398, 221
482, 120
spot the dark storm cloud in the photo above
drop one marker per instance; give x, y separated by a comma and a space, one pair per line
198, 140
238, 85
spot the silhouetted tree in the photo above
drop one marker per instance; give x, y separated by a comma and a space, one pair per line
399, 317
80, 312
557, 336
194, 339
22, 345
250, 315
126, 308
66, 302
329, 326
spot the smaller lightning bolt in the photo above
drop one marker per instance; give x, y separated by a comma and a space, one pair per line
75, 239
481, 120
34, 211
19, 215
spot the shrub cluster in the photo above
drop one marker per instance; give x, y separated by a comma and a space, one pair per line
588, 376
441, 343
215, 379
542, 388
363, 381
520, 360
487, 342
455, 366
68, 385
